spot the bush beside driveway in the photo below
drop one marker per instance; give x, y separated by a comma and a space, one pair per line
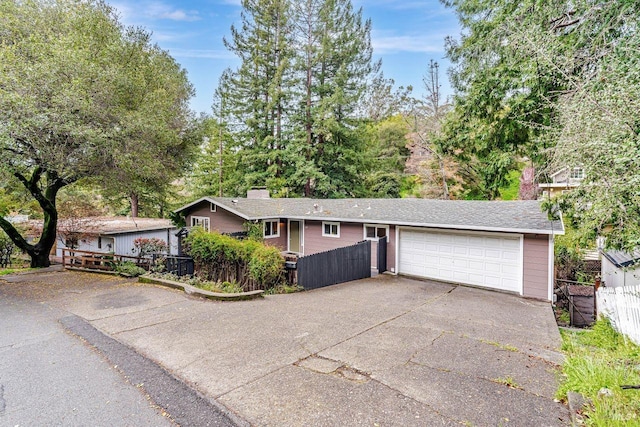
386, 351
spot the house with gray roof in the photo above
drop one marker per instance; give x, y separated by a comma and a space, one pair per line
502, 245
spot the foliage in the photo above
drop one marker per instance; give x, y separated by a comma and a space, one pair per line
214, 170
254, 231
602, 358
221, 258
559, 82
502, 93
292, 106
81, 96
6, 249
145, 246
511, 190
569, 251
266, 265
129, 268
385, 156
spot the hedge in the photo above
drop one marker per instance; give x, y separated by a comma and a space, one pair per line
219, 258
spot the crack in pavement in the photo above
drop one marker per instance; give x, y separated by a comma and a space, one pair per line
3, 403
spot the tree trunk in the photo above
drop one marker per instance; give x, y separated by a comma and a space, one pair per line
133, 198
39, 257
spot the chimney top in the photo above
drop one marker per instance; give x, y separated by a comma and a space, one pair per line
258, 193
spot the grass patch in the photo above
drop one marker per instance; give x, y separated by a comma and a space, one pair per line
5, 271
602, 358
510, 192
224, 287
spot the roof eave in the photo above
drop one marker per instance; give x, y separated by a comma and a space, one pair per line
200, 200
137, 230
431, 225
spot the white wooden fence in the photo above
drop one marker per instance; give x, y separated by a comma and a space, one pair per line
621, 306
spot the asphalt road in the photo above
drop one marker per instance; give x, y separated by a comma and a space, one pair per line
56, 370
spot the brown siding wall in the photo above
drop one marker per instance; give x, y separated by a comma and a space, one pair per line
314, 242
536, 266
391, 249
350, 234
221, 220
281, 241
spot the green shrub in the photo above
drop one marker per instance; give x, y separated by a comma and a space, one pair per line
220, 258
267, 266
128, 268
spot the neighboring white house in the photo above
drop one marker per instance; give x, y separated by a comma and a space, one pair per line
113, 234
620, 268
563, 180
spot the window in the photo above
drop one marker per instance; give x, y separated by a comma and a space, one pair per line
99, 242
577, 173
375, 232
200, 221
271, 228
331, 229
213, 207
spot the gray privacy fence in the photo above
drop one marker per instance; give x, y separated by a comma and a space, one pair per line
335, 266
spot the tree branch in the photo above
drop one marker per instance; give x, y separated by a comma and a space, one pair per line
15, 235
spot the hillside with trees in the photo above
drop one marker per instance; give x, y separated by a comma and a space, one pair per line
538, 86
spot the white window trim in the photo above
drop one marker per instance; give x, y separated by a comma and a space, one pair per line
203, 219
330, 223
576, 173
264, 228
213, 207
374, 239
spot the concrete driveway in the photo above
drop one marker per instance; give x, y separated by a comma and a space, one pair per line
386, 351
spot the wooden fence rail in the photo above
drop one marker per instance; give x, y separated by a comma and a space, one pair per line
73, 258
621, 305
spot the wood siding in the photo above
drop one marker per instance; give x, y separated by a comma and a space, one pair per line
221, 220
350, 234
315, 242
281, 241
391, 250
536, 266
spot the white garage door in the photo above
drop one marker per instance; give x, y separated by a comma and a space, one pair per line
489, 260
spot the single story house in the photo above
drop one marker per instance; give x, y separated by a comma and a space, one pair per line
620, 268
506, 246
113, 234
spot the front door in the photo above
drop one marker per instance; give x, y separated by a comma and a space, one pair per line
295, 236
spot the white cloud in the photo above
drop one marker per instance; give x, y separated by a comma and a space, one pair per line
160, 10
407, 43
201, 53
153, 10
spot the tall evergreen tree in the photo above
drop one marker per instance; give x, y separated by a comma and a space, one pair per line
334, 65
253, 98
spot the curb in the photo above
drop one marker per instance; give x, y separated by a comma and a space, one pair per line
192, 290
185, 405
576, 403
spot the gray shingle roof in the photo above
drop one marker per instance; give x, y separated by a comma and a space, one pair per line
514, 216
623, 259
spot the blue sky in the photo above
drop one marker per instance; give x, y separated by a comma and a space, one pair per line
406, 34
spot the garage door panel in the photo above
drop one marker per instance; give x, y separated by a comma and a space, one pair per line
491, 261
